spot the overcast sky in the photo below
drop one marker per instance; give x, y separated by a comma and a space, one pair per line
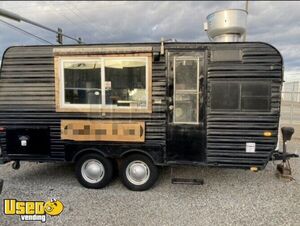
277, 23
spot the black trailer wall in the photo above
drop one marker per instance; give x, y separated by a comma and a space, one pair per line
27, 99
258, 75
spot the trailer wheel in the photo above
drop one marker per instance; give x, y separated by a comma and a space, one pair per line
94, 171
138, 173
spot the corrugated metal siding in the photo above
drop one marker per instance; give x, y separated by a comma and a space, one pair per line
27, 96
228, 132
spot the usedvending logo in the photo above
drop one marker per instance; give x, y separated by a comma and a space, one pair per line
32, 210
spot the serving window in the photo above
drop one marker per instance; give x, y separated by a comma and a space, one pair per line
103, 83
125, 83
82, 82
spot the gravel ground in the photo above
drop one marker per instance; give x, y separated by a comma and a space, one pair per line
228, 197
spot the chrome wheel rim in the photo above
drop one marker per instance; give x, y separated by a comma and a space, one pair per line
92, 171
138, 172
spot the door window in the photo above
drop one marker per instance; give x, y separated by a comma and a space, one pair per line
186, 94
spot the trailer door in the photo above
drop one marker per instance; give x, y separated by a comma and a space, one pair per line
185, 140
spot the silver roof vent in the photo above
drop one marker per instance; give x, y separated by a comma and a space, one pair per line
227, 25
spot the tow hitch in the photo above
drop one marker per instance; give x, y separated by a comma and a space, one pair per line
284, 168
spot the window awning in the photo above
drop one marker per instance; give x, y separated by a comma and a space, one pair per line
79, 50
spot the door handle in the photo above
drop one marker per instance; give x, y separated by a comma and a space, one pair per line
171, 107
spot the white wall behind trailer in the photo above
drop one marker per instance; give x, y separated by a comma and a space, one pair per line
290, 91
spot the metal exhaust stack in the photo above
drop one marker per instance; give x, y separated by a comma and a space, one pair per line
227, 25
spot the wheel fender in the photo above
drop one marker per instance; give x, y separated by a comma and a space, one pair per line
135, 151
88, 150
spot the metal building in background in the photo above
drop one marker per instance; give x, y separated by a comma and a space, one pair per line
290, 91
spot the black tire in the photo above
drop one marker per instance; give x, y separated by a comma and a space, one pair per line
108, 170
152, 169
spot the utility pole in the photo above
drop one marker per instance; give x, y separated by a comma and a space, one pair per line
247, 6
59, 37
18, 18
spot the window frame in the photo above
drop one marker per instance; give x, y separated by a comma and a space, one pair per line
62, 84
240, 108
61, 106
196, 92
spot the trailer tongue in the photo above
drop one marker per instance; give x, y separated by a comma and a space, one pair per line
284, 168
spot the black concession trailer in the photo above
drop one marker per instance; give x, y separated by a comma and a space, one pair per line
132, 107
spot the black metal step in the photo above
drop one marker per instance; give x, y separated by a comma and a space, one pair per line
187, 181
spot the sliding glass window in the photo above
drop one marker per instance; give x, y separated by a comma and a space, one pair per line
105, 83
